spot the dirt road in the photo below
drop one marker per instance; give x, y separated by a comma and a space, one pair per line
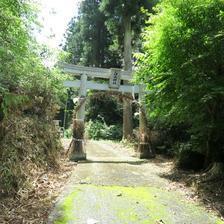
112, 187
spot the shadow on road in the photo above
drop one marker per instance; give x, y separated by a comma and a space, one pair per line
159, 161
116, 162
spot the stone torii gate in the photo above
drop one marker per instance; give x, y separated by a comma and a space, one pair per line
114, 76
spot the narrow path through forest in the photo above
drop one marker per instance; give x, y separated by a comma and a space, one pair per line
112, 187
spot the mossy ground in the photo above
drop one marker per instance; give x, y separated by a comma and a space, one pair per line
127, 205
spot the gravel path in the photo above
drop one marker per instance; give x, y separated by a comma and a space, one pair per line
112, 187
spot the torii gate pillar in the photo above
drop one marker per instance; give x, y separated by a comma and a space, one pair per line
144, 149
78, 151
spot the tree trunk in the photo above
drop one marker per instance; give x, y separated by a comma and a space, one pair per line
214, 159
127, 104
215, 173
217, 170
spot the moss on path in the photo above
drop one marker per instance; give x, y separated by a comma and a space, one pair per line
129, 205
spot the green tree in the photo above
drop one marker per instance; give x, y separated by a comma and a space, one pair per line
14, 44
29, 94
88, 40
21, 67
125, 19
182, 65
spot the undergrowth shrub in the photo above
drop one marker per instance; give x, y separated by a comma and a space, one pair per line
68, 133
189, 159
100, 130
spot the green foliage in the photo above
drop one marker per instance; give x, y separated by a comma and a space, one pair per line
99, 130
96, 130
68, 133
88, 39
21, 67
105, 106
29, 97
11, 101
116, 11
182, 65
15, 41
188, 159
114, 132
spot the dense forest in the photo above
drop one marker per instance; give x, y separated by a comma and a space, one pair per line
174, 48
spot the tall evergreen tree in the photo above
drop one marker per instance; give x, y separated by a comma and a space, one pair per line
88, 38
125, 16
